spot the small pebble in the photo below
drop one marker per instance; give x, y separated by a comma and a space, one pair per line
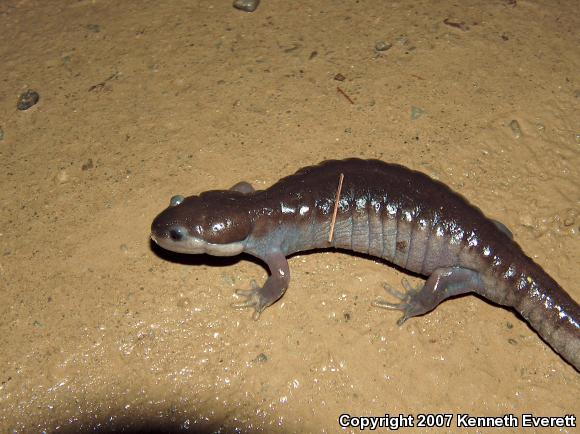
382, 46
124, 248
515, 127
339, 77
402, 40
571, 214
88, 165
95, 28
27, 100
62, 177
246, 5
1, 134
261, 358
416, 112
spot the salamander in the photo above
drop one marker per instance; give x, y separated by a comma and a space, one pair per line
382, 210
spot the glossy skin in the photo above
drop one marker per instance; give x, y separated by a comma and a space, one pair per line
384, 210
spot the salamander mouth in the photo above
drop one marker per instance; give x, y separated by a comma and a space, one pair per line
184, 243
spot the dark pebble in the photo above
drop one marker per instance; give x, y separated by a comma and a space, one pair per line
382, 46
516, 129
246, 5
95, 28
339, 77
261, 358
87, 165
27, 100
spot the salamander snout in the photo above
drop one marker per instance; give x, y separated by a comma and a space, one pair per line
173, 236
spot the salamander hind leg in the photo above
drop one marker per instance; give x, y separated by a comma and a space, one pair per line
260, 297
442, 284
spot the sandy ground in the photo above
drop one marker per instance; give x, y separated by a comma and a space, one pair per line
141, 100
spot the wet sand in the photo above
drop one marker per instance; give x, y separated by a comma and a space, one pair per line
141, 100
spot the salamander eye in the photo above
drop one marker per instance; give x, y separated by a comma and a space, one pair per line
177, 234
176, 200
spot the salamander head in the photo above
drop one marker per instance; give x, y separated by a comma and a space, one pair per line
215, 222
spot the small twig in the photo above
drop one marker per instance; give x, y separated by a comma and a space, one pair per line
101, 85
344, 94
458, 25
336, 201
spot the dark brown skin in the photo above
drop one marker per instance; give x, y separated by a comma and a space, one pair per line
384, 210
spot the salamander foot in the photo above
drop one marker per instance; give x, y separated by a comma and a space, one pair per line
260, 297
410, 303
253, 299
442, 284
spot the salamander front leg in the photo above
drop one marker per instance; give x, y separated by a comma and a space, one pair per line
442, 284
261, 297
